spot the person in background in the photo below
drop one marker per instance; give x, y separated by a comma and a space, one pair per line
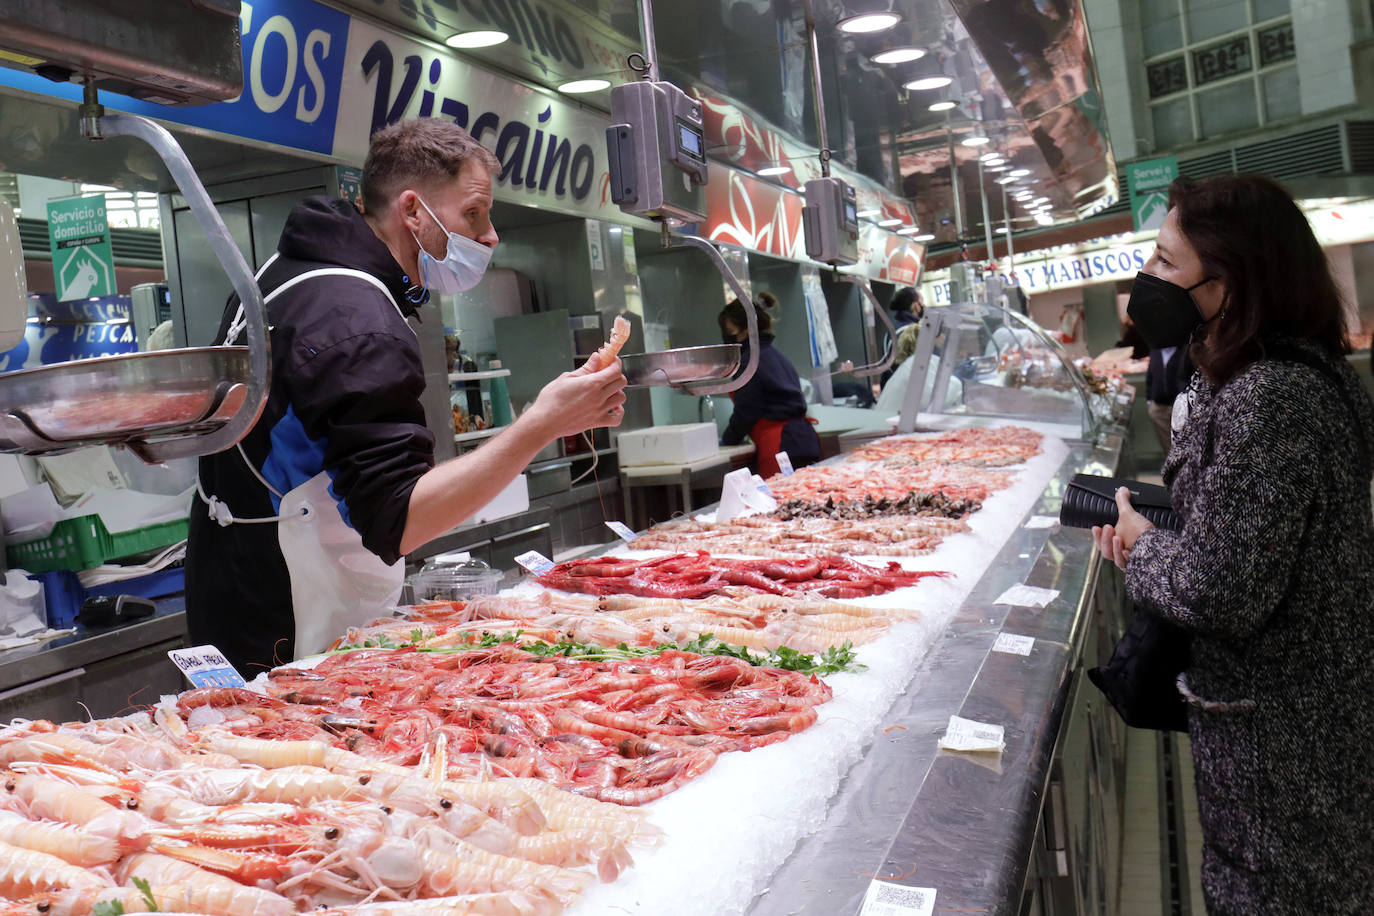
1273, 571
1131, 337
310, 516
1166, 377
906, 307
894, 389
769, 408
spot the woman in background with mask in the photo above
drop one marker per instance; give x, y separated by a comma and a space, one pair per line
1273, 571
769, 408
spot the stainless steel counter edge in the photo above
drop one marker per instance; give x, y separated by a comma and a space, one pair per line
963, 824
86, 647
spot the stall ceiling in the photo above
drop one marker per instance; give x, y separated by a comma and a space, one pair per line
1022, 73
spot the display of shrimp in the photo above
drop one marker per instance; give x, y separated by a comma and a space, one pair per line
626, 731
987, 447
700, 575
849, 482
147, 814
766, 536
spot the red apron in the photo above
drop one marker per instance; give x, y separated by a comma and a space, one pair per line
767, 436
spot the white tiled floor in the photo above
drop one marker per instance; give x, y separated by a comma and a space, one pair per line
1142, 890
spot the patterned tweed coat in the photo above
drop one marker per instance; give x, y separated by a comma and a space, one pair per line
1274, 574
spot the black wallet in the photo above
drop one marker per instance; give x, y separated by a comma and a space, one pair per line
1091, 500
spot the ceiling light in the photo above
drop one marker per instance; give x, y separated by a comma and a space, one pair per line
929, 236
941, 106
578, 87
976, 140
997, 168
928, 82
865, 214
1002, 229
991, 158
898, 55
1019, 173
1041, 200
869, 22
770, 171
480, 39
1044, 220
889, 223
1023, 195
908, 230
1007, 178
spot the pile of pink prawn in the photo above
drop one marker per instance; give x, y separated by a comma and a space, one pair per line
626, 730
210, 822
765, 536
990, 447
850, 482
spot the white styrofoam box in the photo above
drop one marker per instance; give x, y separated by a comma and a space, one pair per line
679, 444
515, 497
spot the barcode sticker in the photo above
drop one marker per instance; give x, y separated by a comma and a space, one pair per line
535, 562
887, 899
622, 531
206, 666
785, 464
1012, 644
968, 735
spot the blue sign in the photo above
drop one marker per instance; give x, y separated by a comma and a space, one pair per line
293, 60
59, 332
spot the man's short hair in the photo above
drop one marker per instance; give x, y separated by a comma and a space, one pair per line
418, 151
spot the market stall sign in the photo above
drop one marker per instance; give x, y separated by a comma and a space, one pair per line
1148, 183
79, 236
1102, 265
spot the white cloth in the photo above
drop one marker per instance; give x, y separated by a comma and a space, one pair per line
894, 392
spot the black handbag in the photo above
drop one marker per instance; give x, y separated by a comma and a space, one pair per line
1139, 680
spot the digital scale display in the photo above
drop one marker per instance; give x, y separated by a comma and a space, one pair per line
689, 141
851, 214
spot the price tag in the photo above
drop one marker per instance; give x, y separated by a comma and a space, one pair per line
1012, 644
622, 531
785, 464
1027, 596
535, 562
206, 666
885, 898
968, 735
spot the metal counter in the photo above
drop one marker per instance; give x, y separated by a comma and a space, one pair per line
963, 824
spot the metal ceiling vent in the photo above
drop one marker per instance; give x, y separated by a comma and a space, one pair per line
1359, 137
1312, 152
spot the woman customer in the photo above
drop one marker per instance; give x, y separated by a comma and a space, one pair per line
1273, 571
769, 408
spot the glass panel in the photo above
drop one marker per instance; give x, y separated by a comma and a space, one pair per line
1268, 9
1227, 109
1281, 100
1167, 77
1276, 44
1173, 124
1160, 26
1209, 18
1226, 58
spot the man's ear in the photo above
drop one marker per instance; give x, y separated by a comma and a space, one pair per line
408, 209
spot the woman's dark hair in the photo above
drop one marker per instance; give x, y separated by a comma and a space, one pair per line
1251, 236
734, 313
903, 299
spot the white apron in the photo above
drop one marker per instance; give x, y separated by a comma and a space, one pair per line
336, 582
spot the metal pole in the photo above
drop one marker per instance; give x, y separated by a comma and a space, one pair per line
954, 182
646, 13
1006, 221
822, 133
987, 219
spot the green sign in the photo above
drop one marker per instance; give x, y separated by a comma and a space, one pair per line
1149, 182
350, 184
79, 235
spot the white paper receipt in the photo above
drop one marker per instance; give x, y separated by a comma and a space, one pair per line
887, 899
1042, 521
535, 562
206, 666
1027, 596
1012, 644
968, 735
622, 531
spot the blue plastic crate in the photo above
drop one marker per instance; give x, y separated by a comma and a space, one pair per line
63, 593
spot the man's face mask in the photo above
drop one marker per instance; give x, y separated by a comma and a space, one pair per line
1165, 313
460, 270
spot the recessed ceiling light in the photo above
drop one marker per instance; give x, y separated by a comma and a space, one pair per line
898, 55
926, 237
976, 140
869, 22
1024, 195
1002, 229
579, 87
770, 171
908, 230
865, 214
1042, 200
1002, 167
1007, 178
1019, 173
991, 158
479, 39
889, 223
928, 82
942, 106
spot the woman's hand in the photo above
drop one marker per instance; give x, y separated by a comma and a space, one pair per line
1115, 541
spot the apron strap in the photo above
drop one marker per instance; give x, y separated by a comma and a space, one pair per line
218, 510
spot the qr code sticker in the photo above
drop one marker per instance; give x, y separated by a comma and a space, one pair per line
887, 899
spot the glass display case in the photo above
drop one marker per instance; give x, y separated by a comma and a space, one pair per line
986, 360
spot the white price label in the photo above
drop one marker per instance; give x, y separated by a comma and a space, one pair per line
535, 562
885, 898
968, 735
1027, 596
1042, 521
622, 531
785, 464
1012, 644
206, 666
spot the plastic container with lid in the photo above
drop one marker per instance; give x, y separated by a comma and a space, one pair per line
454, 577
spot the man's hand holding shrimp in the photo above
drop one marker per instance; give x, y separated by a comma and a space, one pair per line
1115, 541
590, 396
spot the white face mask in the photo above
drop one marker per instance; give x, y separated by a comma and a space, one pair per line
460, 270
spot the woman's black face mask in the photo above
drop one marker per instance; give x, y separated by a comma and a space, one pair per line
1165, 313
